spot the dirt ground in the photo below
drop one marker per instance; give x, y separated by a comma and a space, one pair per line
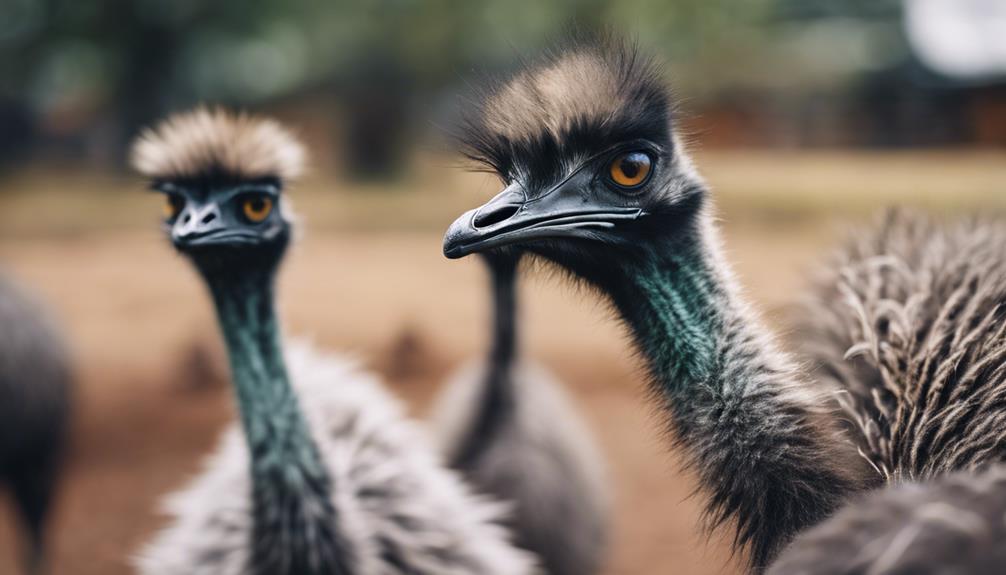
152, 394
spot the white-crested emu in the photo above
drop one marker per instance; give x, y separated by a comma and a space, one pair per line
508, 426
35, 399
325, 476
597, 181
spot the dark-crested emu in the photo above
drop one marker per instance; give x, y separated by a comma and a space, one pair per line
35, 396
597, 181
327, 477
908, 335
508, 426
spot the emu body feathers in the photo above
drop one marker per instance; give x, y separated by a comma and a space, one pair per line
906, 327
35, 403
399, 509
909, 323
948, 524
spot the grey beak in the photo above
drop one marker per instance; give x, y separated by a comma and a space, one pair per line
511, 217
196, 222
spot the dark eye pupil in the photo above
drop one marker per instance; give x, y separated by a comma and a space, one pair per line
630, 168
634, 165
257, 205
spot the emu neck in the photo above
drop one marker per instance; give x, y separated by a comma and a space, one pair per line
504, 336
290, 484
275, 428
769, 457
496, 402
675, 303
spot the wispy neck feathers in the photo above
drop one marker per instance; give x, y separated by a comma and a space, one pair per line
765, 444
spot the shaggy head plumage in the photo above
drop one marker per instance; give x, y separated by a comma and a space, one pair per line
207, 143
572, 104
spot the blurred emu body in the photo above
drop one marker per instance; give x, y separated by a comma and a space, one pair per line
327, 477
35, 394
908, 329
509, 428
948, 524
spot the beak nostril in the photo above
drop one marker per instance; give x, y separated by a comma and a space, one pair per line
495, 215
209, 217
187, 218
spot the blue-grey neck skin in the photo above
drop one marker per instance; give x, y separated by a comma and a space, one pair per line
294, 520
764, 448
496, 404
503, 272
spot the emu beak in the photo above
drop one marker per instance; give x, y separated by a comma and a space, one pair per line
201, 226
197, 224
569, 210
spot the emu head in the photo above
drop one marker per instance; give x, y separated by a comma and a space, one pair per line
585, 146
222, 176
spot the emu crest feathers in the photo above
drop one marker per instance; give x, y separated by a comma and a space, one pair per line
575, 102
204, 142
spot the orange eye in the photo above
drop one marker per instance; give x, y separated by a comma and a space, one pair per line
630, 170
257, 208
173, 205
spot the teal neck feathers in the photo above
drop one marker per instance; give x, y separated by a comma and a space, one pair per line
294, 520
770, 458
675, 306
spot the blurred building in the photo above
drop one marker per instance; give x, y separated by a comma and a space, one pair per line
875, 74
77, 79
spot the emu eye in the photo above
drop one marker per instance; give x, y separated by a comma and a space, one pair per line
256, 208
173, 205
630, 170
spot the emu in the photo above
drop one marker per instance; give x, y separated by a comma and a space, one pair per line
598, 182
324, 475
36, 381
509, 428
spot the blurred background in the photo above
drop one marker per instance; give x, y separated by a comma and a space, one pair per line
805, 115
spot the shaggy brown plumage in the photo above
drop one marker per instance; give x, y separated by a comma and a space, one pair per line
907, 325
205, 142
